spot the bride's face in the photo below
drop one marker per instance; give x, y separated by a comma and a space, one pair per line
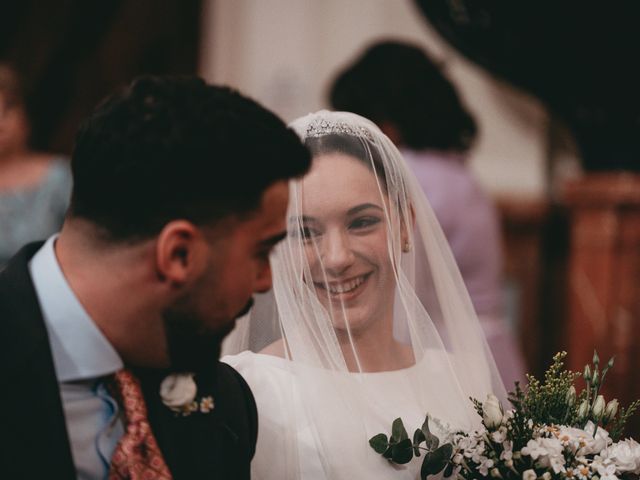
345, 237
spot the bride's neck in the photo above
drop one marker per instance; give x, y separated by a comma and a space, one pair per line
374, 350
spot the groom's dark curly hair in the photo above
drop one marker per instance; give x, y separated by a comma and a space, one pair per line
169, 147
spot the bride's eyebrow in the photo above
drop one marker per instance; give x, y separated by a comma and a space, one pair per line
302, 219
364, 206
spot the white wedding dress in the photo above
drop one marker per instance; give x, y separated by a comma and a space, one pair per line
288, 448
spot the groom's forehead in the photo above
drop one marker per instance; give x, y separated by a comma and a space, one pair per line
267, 222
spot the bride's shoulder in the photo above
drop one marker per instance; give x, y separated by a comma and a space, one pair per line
272, 356
276, 349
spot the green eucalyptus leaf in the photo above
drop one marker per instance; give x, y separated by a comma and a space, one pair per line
402, 452
379, 443
418, 438
434, 462
431, 440
449, 470
398, 432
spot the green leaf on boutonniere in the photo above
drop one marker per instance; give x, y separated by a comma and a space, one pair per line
398, 432
379, 443
435, 461
402, 452
418, 438
431, 440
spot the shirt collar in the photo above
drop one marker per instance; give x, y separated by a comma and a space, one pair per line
80, 350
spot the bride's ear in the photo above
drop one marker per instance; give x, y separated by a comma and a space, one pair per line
405, 235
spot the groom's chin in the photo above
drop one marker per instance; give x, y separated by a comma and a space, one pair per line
190, 347
194, 353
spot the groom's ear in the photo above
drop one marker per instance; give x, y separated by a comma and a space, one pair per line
180, 253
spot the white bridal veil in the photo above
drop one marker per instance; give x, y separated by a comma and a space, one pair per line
368, 320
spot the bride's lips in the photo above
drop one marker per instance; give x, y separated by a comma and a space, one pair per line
345, 289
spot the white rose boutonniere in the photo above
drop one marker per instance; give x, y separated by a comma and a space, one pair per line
178, 392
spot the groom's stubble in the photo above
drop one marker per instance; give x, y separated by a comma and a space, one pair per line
190, 345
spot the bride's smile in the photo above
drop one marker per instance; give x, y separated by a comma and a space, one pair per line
346, 289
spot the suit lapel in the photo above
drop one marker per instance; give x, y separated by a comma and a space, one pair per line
190, 444
32, 415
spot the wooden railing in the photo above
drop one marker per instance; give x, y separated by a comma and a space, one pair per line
604, 277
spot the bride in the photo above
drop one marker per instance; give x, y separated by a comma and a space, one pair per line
342, 346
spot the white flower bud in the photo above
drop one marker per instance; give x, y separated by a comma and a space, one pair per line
529, 475
508, 463
611, 410
583, 410
495, 473
598, 408
587, 373
457, 458
546, 475
570, 399
491, 412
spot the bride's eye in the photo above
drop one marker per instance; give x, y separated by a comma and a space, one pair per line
363, 222
307, 233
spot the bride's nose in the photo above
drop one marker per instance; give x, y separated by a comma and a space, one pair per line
336, 252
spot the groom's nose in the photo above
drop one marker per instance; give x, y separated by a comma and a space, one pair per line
264, 280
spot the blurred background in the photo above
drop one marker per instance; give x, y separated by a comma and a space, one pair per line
551, 87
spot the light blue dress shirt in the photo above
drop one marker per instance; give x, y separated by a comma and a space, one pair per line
82, 357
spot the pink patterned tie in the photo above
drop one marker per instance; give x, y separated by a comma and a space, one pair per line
137, 455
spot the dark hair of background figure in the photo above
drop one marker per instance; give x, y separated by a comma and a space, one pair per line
12, 89
396, 83
168, 148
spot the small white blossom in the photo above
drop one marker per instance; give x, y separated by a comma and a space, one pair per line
507, 454
607, 471
499, 435
529, 475
484, 466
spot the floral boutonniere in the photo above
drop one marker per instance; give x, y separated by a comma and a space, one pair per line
179, 393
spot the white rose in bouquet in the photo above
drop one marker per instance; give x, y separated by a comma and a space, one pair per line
598, 442
625, 455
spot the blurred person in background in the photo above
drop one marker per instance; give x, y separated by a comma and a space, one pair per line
34, 186
405, 93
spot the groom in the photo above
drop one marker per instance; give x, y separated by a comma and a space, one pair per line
180, 193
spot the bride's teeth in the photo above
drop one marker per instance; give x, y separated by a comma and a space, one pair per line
346, 286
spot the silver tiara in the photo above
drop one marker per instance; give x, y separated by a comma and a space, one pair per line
321, 127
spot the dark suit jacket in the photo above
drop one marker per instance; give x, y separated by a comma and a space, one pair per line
33, 436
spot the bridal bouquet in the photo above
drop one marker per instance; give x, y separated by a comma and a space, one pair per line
552, 432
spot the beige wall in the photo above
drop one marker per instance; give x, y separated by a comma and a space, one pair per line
284, 53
